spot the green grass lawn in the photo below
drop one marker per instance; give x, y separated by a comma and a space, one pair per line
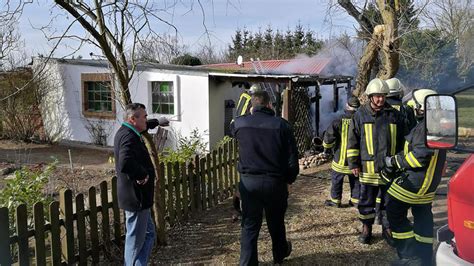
465, 101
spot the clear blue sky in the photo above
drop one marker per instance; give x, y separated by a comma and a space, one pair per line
223, 17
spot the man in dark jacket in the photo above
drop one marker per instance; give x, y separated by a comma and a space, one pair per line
135, 184
268, 162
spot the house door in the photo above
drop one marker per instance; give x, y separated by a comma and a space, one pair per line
228, 115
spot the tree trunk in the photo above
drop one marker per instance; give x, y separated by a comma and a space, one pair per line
368, 59
390, 54
158, 207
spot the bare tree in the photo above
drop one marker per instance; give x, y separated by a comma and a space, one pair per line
10, 40
454, 18
379, 26
160, 49
117, 28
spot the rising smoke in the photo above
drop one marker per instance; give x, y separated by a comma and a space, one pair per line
336, 58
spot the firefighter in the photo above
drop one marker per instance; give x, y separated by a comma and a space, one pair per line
376, 131
394, 98
336, 136
244, 105
417, 171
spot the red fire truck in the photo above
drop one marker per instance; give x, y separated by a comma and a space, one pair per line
456, 239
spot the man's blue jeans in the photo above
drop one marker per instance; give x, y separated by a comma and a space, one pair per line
140, 237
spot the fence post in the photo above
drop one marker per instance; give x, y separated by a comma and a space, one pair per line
226, 175
104, 202
234, 166
81, 229
220, 175
202, 166
40, 250
94, 232
56, 251
215, 189
177, 187
171, 209
192, 188
160, 210
116, 211
65, 201
197, 183
184, 181
209, 181
4, 237
22, 233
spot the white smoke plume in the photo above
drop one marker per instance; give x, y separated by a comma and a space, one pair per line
339, 58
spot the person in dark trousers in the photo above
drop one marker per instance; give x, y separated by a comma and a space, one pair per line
268, 162
376, 131
336, 137
417, 172
135, 185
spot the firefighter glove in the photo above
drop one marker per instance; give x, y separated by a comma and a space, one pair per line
388, 174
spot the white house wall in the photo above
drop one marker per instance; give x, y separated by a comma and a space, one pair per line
191, 104
63, 109
219, 92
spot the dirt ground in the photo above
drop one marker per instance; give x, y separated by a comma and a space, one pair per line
90, 165
320, 235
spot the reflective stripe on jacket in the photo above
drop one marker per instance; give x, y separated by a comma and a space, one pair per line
423, 169
243, 106
406, 111
336, 136
372, 137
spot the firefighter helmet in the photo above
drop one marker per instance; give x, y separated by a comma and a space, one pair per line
377, 86
254, 88
419, 98
353, 102
395, 87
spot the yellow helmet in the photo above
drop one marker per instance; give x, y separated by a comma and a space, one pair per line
395, 87
377, 86
419, 97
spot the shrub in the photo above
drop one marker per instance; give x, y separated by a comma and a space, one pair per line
27, 187
188, 147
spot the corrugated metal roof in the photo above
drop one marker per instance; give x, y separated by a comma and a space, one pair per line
305, 66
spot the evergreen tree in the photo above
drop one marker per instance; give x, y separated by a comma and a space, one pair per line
268, 47
258, 45
279, 46
289, 45
298, 39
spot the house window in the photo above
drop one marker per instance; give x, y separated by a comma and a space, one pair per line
98, 96
162, 95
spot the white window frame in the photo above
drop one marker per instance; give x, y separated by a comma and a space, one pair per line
176, 99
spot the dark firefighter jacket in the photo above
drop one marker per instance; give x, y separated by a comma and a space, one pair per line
423, 169
266, 145
406, 111
336, 137
372, 137
243, 106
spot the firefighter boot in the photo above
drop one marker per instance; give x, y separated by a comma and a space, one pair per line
387, 235
366, 234
330, 203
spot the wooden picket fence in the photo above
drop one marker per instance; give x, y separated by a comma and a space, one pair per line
70, 234
191, 187
79, 231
